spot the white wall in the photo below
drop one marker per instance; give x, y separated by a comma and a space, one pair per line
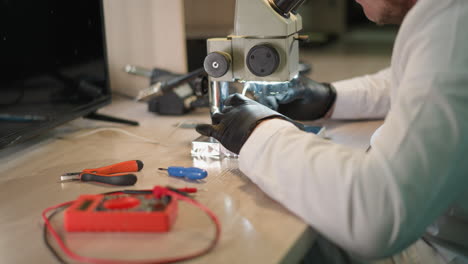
148, 33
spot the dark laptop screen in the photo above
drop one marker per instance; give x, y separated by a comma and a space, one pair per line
52, 64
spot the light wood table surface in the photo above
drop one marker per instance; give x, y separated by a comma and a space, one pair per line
255, 229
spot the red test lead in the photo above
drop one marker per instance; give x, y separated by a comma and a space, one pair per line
187, 190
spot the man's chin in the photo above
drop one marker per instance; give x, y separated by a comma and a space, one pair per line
371, 18
384, 20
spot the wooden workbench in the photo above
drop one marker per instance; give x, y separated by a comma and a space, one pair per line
255, 229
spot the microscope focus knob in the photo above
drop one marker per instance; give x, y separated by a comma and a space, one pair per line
217, 63
263, 60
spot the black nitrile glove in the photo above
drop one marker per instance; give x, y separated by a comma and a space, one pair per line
305, 100
233, 126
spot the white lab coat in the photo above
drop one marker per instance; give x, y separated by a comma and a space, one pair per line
375, 204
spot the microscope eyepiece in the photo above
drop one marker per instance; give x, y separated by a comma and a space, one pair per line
284, 7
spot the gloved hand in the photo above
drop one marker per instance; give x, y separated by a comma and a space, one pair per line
233, 126
304, 100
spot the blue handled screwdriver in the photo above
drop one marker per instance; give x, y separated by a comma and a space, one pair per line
190, 173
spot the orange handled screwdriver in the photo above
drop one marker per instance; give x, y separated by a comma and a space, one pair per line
115, 174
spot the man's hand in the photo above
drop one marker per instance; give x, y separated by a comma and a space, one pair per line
305, 100
233, 126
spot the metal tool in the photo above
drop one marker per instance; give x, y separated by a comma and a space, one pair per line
136, 70
160, 87
190, 173
22, 118
115, 174
170, 93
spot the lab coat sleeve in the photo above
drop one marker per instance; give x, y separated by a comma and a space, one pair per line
373, 204
377, 203
364, 97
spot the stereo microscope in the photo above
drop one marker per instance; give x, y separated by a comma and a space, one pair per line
263, 49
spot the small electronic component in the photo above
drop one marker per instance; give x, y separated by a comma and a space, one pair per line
121, 213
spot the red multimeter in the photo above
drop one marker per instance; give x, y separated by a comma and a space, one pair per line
121, 213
